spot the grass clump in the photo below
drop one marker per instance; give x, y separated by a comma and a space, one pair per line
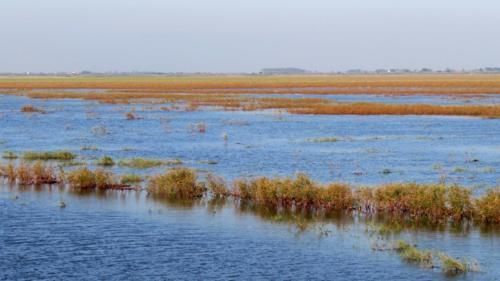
9, 155
411, 254
217, 186
25, 174
140, 163
131, 179
324, 139
177, 183
31, 109
452, 266
86, 179
106, 161
488, 207
49, 155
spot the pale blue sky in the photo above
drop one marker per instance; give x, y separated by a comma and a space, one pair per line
246, 35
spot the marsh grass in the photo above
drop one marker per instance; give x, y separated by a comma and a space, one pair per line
49, 155
9, 155
324, 139
177, 183
452, 266
26, 174
217, 186
411, 254
141, 163
131, 179
86, 179
106, 161
31, 109
488, 207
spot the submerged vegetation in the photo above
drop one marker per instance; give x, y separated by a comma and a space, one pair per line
49, 155
141, 163
31, 109
106, 161
177, 183
226, 92
422, 203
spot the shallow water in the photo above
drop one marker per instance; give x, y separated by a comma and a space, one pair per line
369, 150
126, 235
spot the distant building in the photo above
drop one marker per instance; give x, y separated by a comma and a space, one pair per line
287, 70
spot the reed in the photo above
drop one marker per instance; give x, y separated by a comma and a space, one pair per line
86, 179
26, 174
131, 179
49, 155
488, 207
411, 254
141, 163
106, 161
31, 109
177, 183
9, 155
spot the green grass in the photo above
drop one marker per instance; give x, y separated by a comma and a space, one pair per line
452, 266
140, 163
106, 161
131, 179
177, 183
9, 155
49, 155
86, 179
324, 139
411, 254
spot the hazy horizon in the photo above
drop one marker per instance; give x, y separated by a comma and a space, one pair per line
246, 36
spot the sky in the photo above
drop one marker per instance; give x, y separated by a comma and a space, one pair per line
247, 35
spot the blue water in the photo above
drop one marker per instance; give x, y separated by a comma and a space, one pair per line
127, 235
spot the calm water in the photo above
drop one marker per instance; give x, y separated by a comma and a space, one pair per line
126, 235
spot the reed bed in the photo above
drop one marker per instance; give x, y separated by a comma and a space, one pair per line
177, 183
31, 109
194, 101
49, 155
86, 179
436, 83
26, 174
426, 203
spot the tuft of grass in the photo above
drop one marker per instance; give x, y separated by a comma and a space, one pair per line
130, 116
25, 174
89, 148
488, 207
106, 161
31, 109
176, 183
9, 155
411, 254
49, 155
324, 139
217, 186
452, 266
87, 179
141, 163
131, 179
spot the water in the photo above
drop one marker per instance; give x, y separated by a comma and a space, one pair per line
127, 235
123, 235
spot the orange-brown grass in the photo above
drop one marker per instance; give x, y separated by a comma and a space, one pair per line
86, 179
227, 101
397, 84
31, 109
177, 183
25, 174
488, 207
400, 109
